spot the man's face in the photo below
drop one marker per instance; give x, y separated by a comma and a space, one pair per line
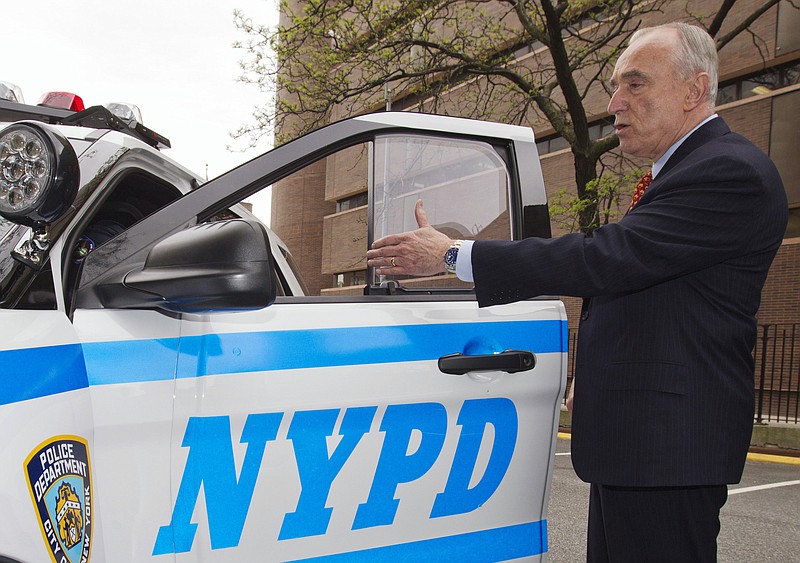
648, 98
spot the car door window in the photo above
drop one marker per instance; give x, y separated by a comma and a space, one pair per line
463, 184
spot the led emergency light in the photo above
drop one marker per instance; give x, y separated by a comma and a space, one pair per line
129, 113
117, 116
62, 100
38, 174
11, 92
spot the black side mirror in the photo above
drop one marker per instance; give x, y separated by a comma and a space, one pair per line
213, 267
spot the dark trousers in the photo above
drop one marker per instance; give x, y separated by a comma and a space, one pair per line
649, 525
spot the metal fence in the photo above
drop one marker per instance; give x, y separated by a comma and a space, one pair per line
777, 372
777, 357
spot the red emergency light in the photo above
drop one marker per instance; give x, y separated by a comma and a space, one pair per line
62, 100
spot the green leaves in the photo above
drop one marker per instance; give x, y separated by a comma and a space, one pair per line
542, 63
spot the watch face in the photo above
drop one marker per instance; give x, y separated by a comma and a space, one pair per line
450, 258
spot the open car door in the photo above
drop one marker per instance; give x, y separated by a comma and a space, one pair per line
399, 423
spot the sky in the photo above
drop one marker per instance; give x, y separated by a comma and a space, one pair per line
173, 58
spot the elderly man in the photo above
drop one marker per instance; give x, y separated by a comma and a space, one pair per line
663, 404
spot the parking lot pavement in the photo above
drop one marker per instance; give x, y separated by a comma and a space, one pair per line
566, 517
760, 521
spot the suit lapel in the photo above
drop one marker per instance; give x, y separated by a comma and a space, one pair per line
711, 130
708, 132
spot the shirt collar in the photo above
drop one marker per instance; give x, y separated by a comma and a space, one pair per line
659, 164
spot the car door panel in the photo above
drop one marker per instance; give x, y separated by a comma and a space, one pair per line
131, 358
416, 461
323, 427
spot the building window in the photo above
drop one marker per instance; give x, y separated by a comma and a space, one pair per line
598, 130
348, 279
727, 94
527, 48
358, 200
761, 83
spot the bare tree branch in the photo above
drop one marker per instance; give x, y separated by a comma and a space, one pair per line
743, 25
521, 61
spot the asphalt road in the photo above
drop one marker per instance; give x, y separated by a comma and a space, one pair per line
760, 521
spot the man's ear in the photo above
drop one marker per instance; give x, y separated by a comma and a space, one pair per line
697, 92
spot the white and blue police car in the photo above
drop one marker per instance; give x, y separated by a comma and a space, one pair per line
169, 392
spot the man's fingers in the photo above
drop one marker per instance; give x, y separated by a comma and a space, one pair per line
388, 240
418, 252
396, 239
422, 217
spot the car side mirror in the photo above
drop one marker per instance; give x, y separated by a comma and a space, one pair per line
213, 267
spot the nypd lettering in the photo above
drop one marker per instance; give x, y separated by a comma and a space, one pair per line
59, 480
413, 440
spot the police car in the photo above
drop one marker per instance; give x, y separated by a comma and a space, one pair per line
170, 393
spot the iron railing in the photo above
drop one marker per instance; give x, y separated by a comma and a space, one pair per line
777, 372
777, 358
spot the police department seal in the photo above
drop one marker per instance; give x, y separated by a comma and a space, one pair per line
60, 482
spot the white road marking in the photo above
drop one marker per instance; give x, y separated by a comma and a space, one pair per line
762, 487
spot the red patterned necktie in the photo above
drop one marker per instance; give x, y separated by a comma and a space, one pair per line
640, 188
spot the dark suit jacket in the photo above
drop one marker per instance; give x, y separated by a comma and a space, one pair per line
664, 369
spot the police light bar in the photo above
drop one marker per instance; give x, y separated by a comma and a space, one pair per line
100, 117
129, 113
62, 100
11, 92
69, 109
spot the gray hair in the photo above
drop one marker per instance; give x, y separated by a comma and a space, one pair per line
696, 53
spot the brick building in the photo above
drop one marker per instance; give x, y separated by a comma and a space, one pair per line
321, 212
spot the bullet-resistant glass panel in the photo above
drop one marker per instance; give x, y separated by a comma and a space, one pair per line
464, 186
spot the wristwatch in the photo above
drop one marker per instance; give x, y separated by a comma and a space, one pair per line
451, 256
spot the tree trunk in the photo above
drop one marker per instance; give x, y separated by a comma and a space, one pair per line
585, 172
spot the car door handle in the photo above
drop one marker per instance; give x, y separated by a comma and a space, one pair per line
510, 361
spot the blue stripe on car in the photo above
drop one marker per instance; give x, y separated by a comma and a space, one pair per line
37, 372
499, 544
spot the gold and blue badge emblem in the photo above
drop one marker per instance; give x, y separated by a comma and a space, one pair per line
60, 482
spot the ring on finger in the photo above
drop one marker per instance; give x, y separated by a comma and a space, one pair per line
394, 265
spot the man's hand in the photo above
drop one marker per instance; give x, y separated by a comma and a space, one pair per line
418, 253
